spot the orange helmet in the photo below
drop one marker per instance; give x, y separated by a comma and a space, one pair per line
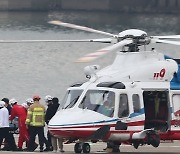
36, 97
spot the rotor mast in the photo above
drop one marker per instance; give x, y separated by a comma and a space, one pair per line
138, 37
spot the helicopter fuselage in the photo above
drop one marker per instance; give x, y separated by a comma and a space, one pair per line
136, 97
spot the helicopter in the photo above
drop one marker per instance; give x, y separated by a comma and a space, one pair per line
134, 101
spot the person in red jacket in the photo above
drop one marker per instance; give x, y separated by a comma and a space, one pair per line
20, 112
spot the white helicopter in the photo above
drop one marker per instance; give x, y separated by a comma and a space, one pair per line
133, 101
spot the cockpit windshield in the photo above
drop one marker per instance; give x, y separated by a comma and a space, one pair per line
101, 101
71, 98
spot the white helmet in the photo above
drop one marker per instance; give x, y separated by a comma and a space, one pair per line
48, 98
29, 100
25, 105
2, 103
12, 101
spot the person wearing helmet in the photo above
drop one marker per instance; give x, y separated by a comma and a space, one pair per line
4, 128
35, 122
20, 112
49, 115
26, 135
6, 100
9, 142
2, 104
13, 101
48, 100
4, 122
29, 102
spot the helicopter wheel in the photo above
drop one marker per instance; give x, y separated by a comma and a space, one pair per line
78, 148
153, 139
86, 148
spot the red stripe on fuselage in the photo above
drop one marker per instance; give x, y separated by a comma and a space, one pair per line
73, 131
136, 123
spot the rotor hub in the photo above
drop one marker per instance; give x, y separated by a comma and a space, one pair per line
132, 33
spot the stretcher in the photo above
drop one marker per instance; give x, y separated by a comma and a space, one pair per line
13, 126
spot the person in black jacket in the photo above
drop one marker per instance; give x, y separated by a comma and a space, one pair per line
50, 110
49, 114
53, 105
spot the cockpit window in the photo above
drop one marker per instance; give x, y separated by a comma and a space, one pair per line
100, 101
70, 98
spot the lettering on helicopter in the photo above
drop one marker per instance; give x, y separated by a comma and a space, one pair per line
159, 75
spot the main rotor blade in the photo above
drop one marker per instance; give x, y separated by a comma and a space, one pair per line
103, 40
92, 56
167, 37
165, 41
60, 23
34, 41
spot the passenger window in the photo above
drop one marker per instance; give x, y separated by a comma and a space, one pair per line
136, 103
123, 106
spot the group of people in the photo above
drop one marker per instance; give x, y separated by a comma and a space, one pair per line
32, 117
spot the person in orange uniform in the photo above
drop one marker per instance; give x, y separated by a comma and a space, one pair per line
20, 112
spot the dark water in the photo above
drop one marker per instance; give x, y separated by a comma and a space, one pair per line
48, 68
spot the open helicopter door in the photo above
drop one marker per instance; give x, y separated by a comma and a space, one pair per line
157, 110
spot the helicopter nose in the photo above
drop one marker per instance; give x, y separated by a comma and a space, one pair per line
75, 123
